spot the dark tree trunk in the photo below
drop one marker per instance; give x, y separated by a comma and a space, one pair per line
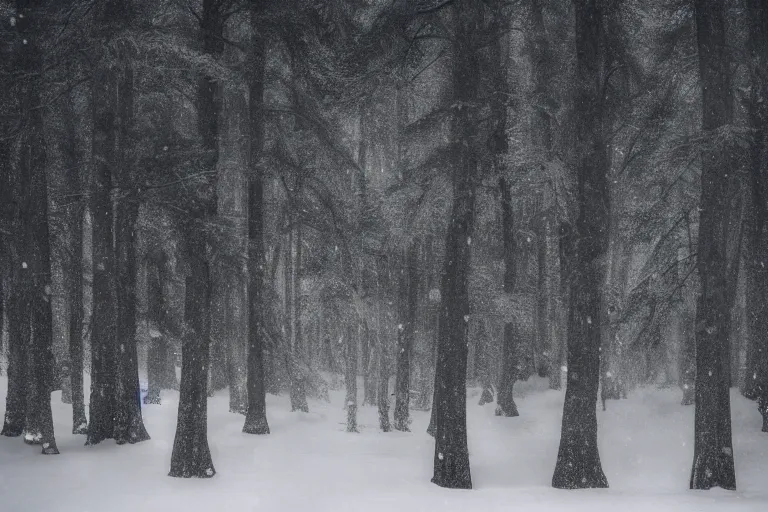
161, 374
713, 450
36, 263
18, 349
104, 89
191, 455
298, 375
256, 415
350, 376
406, 332
382, 388
451, 461
505, 402
578, 461
79, 422
129, 425
369, 367
757, 242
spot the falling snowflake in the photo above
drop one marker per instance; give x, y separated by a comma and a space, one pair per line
23, 264
209, 471
466, 318
440, 455
469, 240
589, 320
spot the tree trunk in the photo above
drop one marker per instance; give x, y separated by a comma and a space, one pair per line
451, 461
299, 370
406, 332
369, 367
18, 348
578, 461
505, 402
102, 408
350, 376
757, 242
191, 456
256, 415
158, 359
79, 422
382, 388
713, 450
129, 425
36, 262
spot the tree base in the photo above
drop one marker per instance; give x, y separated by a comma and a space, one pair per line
12, 430
208, 472
486, 397
258, 426
50, 449
509, 412
579, 476
402, 426
711, 469
151, 400
689, 397
33, 438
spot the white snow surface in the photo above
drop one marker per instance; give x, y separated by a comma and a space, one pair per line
309, 462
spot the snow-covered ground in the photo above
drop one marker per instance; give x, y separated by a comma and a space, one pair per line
309, 463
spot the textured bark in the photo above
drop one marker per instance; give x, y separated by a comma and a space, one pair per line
256, 415
76, 313
382, 388
406, 333
369, 367
105, 91
191, 456
129, 424
160, 373
298, 377
757, 241
578, 461
713, 464
350, 376
18, 348
505, 402
451, 461
36, 246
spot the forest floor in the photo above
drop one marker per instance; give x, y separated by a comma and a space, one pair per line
309, 463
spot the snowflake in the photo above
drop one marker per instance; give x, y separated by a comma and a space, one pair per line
440, 455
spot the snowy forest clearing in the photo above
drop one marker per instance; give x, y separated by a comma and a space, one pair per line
310, 463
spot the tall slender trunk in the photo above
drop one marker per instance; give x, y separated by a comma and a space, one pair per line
578, 461
350, 375
451, 461
505, 403
299, 377
256, 415
191, 456
713, 450
757, 241
35, 249
406, 333
157, 352
18, 348
129, 425
382, 388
